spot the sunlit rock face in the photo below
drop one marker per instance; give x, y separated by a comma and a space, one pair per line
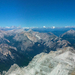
60, 62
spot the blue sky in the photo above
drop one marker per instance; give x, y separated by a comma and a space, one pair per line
37, 13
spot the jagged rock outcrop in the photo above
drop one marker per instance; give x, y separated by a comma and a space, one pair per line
60, 62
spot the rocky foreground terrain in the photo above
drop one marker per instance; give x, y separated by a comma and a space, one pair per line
60, 62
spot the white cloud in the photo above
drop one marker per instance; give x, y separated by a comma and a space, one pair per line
44, 26
53, 27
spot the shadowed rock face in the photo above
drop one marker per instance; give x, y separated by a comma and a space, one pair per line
10, 55
60, 62
19, 46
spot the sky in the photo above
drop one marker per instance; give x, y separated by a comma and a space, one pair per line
37, 13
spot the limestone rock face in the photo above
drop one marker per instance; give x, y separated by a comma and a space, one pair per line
60, 62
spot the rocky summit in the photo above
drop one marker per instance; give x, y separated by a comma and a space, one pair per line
60, 62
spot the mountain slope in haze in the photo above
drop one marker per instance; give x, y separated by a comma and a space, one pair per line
33, 43
69, 36
60, 62
56, 31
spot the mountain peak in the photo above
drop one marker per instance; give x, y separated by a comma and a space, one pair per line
30, 30
71, 31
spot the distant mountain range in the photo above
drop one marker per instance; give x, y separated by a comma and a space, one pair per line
55, 30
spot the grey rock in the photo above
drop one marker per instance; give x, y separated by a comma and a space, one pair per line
60, 62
